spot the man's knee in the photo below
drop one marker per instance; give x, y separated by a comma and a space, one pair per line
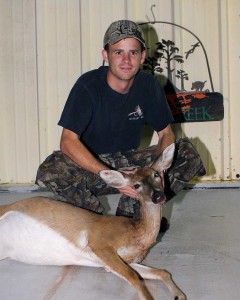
187, 164
58, 168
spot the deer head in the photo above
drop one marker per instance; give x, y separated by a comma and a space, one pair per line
147, 181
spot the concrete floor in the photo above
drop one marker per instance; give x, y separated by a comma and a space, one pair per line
201, 250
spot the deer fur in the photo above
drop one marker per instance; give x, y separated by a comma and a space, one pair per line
43, 231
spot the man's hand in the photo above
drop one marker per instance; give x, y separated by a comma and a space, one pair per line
162, 178
128, 190
131, 192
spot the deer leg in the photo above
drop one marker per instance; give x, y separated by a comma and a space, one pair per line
112, 262
160, 274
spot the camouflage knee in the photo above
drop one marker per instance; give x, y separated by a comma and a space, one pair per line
187, 164
65, 178
58, 170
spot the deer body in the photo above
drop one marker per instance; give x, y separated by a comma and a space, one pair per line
48, 227
43, 231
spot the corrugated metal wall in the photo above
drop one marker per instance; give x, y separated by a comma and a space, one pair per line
47, 44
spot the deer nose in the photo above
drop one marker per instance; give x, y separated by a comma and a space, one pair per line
158, 197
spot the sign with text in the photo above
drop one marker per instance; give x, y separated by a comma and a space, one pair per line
196, 107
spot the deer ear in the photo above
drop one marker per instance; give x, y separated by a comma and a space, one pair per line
165, 159
114, 178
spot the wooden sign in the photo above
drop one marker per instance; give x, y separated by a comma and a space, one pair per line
196, 107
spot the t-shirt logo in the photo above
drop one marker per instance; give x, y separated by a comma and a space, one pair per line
137, 114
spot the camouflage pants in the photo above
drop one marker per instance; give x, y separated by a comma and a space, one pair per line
79, 187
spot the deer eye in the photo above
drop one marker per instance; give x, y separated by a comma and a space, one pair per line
137, 186
156, 174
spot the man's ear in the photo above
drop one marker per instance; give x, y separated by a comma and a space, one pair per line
143, 56
114, 178
105, 55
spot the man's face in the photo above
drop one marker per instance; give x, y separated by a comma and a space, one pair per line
124, 59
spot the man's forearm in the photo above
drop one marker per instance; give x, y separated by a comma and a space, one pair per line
76, 150
166, 137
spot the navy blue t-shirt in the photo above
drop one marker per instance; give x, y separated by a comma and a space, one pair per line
107, 121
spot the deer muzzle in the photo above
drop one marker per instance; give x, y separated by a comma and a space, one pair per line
158, 197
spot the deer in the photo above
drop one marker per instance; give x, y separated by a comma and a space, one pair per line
43, 231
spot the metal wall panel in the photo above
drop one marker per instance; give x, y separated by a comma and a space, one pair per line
206, 22
47, 44
19, 140
59, 64
231, 68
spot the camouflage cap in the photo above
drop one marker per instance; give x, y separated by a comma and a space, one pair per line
122, 29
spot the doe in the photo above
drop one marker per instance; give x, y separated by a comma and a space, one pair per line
43, 231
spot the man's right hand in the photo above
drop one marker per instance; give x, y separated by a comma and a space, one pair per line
129, 191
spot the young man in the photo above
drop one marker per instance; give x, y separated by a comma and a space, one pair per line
102, 122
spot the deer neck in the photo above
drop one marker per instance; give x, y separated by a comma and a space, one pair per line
148, 222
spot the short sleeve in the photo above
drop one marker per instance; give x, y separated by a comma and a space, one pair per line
77, 111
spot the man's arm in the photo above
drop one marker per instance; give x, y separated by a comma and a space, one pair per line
75, 149
166, 138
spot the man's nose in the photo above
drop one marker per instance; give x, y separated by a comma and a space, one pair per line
126, 57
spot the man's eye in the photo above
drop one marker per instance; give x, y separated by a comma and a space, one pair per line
134, 53
137, 185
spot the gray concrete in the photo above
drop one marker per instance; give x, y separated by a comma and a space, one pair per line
201, 250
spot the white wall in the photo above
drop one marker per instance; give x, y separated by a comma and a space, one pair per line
47, 44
